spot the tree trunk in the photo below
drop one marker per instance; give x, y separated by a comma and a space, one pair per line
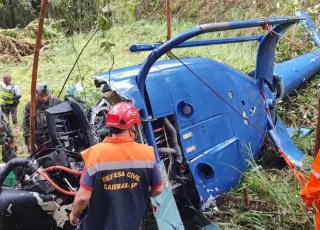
50, 11
138, 12
75, 10
13, 16
6, 19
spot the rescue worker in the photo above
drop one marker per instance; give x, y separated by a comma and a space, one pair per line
119, 176
311, 192
7, 140
8, 147
44, 100
10, 94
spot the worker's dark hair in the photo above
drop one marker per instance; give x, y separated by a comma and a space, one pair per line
116, 130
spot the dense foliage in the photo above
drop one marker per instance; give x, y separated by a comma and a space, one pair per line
76, 15
82, 15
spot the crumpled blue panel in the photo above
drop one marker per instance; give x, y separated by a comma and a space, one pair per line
281, 139
167, 215
302, 131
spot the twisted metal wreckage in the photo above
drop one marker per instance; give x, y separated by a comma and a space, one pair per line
200, 115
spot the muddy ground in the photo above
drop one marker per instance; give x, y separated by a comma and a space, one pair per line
12, 49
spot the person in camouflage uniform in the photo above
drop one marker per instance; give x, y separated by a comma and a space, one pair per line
8, 147
43, 102
7, 140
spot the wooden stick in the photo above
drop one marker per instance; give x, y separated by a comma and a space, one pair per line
317, 141
246, 198
168, 13
32, 118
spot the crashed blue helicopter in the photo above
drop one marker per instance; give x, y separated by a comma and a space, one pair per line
200, 115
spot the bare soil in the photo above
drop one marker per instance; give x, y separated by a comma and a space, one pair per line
12, 49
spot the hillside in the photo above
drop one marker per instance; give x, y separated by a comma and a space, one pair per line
270, 186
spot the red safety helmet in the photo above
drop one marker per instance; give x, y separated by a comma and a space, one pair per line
123, 115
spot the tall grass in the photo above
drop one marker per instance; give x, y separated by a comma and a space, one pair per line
274, 203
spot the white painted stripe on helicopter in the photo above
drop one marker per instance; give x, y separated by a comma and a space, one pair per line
53, 208
61, 215
9, 210
119, 165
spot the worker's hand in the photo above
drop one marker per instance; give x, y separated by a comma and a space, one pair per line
74, 220
309, 208
2, 129
154, 210
14, 145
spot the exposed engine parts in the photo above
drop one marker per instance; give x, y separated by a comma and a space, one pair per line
53, 171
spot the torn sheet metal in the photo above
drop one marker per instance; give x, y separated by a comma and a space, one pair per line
281, 139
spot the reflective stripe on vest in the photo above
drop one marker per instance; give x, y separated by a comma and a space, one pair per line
315, 168
7, 92
120, 164
316, 174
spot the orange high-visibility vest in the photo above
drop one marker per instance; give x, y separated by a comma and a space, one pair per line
311, 192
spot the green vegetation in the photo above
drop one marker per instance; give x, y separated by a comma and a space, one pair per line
274, 201
273, 193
